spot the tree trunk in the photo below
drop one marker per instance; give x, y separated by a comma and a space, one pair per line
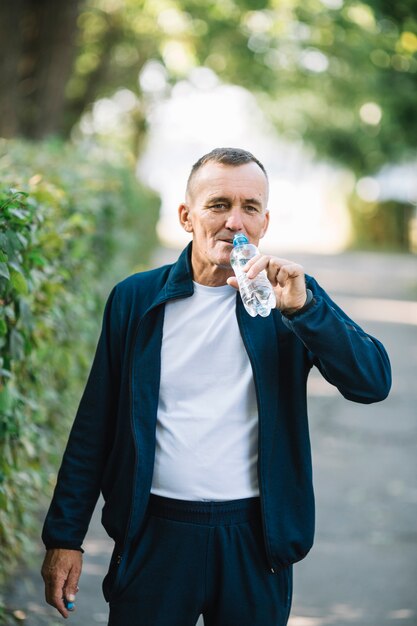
37, 46
10, 52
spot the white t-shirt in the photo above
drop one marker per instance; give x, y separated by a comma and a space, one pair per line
207, 422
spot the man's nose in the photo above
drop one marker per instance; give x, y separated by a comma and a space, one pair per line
234, 220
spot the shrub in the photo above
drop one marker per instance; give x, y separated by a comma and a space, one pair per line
66, 221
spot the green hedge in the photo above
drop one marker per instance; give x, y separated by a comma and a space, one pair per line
381, 225
72, 222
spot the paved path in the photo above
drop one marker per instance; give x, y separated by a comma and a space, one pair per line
362, 570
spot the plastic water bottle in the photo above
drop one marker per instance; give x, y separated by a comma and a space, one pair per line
256, 293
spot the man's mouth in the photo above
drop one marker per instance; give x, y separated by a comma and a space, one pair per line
226, 240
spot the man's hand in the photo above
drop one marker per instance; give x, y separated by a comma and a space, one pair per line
61, 571
287, 279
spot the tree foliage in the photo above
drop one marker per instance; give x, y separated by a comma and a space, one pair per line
339, 74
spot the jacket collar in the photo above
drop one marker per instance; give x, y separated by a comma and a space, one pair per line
179, 283
180, 279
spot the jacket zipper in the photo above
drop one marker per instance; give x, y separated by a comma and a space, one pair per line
261, 491
119, 557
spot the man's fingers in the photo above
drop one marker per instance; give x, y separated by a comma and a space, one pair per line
232, 281
54, 596
279, 270
289, 271
252, 262
264, 262
256, 264
71, 587
59, 604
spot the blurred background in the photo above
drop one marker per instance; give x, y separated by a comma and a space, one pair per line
104, 107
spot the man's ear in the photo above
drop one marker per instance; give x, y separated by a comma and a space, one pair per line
184, 216
266, 224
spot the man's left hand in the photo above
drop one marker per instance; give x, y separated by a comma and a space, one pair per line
286, 277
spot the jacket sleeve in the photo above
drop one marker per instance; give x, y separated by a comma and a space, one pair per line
79, 478
356, 363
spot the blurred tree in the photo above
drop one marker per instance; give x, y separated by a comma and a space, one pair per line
36, 55
348, 80
341, 74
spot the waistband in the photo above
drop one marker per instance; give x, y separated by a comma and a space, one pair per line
211, 513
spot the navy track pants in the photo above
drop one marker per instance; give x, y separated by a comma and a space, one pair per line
204, 558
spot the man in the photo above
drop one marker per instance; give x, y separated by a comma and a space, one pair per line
193, 424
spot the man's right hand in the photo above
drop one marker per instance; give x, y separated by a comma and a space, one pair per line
61, 571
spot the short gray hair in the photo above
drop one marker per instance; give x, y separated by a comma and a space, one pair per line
225, 156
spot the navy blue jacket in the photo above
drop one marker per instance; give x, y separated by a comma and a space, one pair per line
112, 443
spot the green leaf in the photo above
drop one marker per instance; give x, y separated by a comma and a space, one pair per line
19, 215
4, 270
3, 327
13, 244
37, 258
16, 344
31, 452
13, 265
23, 240
10, 313
3, 256
19, 283
3, 241
26, 316
6, 400
16, 193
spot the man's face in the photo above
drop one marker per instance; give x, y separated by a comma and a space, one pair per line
223, 200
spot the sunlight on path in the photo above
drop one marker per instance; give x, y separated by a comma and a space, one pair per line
343, 613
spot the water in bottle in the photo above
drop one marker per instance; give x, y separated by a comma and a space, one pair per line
256, 293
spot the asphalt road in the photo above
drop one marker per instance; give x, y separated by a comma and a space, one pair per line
362, 570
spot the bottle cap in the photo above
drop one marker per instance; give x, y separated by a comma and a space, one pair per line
240, 239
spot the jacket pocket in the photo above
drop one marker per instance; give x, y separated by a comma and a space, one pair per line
111, 581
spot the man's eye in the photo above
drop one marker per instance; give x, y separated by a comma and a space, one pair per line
218, 206
251, 209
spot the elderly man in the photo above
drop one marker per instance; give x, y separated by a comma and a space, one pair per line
193, 424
